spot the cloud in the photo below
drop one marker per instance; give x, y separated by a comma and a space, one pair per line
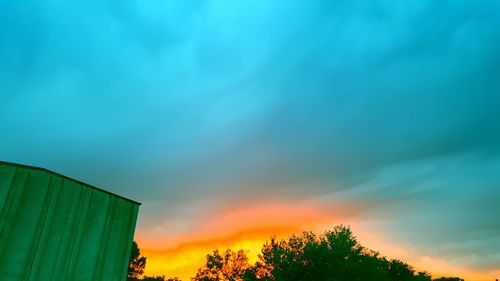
394, 105
438, 207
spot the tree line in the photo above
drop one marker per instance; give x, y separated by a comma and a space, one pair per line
335, 255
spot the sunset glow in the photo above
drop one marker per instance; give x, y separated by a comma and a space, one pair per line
249, 227
236, 121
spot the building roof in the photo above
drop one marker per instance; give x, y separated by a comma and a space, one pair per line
67, 178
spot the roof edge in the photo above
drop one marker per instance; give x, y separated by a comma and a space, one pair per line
69, 178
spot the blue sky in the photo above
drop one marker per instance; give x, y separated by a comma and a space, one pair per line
395, 104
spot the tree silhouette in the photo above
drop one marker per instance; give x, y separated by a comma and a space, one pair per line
157, 278
335, 255
423, 276
136, 263
400, 271
228, 266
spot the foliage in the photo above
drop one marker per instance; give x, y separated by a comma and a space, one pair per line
423, 276
157, 278
399, 270
335, 255
228, 266
136, 263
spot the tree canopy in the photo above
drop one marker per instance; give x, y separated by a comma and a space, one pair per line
227, 266
137, 263
335, 255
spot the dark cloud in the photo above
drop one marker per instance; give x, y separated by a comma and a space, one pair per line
217, 100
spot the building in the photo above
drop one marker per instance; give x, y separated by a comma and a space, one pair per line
55, 228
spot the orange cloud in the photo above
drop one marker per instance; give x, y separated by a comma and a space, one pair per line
247, 226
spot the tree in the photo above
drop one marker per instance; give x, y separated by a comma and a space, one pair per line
156, 278
335, 255
423, 276
136, 263
400, 271
228, 266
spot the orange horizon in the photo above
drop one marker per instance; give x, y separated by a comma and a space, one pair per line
249, 228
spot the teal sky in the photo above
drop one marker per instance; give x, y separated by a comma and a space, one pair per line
392, 103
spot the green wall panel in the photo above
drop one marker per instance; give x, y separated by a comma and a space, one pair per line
55, 228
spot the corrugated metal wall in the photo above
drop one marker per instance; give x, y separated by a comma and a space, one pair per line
55, 228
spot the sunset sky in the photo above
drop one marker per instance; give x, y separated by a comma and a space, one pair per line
232, 121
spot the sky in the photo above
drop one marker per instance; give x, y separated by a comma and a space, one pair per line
232, 121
